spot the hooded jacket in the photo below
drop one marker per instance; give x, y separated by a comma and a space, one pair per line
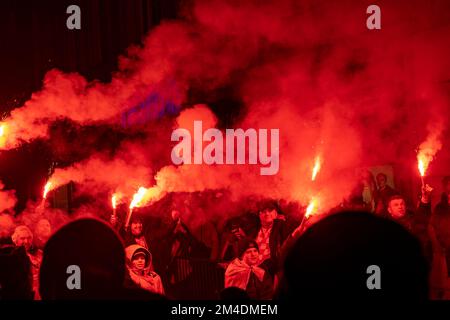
146, 279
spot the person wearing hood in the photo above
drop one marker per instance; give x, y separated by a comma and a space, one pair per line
140, 273
244, 273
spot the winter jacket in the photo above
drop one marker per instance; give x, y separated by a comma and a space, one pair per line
278, 235
146, 278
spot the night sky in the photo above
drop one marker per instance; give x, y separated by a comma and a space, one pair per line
34, 39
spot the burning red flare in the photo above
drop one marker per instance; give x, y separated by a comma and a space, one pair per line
421, 166
427, 151
47, 187
316, 169
114, 201
137, 198
312, 207
2, 135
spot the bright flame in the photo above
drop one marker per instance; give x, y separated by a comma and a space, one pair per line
427, 151
423, 161
137, 198
316, 169
114, 201
47, 187
312, 207
421, 166
2, 135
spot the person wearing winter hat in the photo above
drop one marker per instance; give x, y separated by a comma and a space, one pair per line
140, 273
244, 273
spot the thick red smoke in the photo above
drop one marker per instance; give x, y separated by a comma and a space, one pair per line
311, 69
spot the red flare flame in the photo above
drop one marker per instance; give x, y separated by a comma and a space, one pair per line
47, 187
316, 169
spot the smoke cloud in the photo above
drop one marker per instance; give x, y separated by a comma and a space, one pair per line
311, 69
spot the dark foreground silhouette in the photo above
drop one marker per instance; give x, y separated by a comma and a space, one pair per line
97, 250
330, 261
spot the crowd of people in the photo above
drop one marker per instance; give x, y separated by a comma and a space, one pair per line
263, 254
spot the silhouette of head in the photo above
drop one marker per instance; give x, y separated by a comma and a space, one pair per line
98, 252
333, 259
234, 294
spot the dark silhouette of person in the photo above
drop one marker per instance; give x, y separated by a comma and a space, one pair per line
331, 260
234, 294
97, 250
15, 274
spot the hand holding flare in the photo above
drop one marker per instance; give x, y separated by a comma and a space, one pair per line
313, 204
310, 211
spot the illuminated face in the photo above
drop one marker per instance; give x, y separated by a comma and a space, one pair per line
24, 238
397, 208
251, 256
267, 216
136, 228
139, 262
381, 180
